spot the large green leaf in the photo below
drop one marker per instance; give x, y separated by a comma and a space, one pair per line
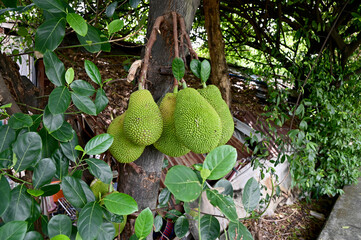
68, 148
82, 88
78, 23
106, 231
50, 34
115, 26
120, 203
239, 230
251, 195
7, 137
224, 187
98, 144
210, 227
54, 68
50, 189
34, 211
61, 164
59, 100
93, 72
89, 195
220, 161
164, 197
44, 171
14, 230
224, 203
101, 100
144, 224
89, 39
181, 226
195, 67
158, 223
205, 70
6, 158
52, 122
90, 220
183, 183
50, 144
5, 194
64, 133
178, 68
109, 12
20, 207
73, 191
27, 149
59, 224
100, 170
33, 235
53, 6
20, 120
83, 103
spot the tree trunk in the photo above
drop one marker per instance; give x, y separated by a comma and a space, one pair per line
219, 75
142, 181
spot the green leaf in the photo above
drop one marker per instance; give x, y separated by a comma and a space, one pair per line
9, 3
33, 235
100, 170
158, 223
89, 39
87, 191
82, 88
93, 72
59, 100
83, 103
50, 144
144, 223
115, 26
44, 171
120, 203
64, 133
52, 122
5, 195
20, 207
178, 68
98, 144
251, 195
239, 230
90, 220
27, 149
53, 6
106, 231
220, 161
68, 148
50, 189
20, 120
164, 197
6, 158
73, 191
7, 137
35, 209
60, 237
181, 226
36, 122
110, 10
61, 163
173, 214
14, 230
54, 69
134, 3
224, 187
224, 203
210, 227
78, 23
205, 70
300, 110
59, 224
69, 75
101, 100
35, 192
183, 183
50, 34
195, 66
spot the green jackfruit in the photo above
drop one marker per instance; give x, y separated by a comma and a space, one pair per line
122, 149
168, 143
143, 123
197, 124
212, 94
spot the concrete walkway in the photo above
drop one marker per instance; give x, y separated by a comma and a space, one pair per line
344, 222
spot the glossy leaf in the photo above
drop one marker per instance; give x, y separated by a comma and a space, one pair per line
52, 122
33, 235
98, 144
6, 158
54, 6
178, 68
183, 183
35, 192
59, 100
224, 203
54, 69
195, 66
14, 230
7, 137
50, 144
68, 148
115, 26
35, 210
101, 100
50, 34
220, 161
5, 194
78, 23
181, 226
164, 197
158, 223
44, 171
69, 75
36, 122
210, 227
50, 189
89, 195
59, 224
173, 214
82, 88
61, 164
239, 230
89, 39
64, 133
27, 149
20, 207
106, 231
90, 220
93, 72
100, 170
73, 191
205, 70
251, 195
110, 10
144, 223
224, 187
83, 103
120, 203
134, 3
20, 120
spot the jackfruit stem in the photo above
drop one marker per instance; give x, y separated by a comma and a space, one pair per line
204, 85
140, 85
184, 84
175, 89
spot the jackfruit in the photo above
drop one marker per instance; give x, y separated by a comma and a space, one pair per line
212, 94
143, 123
100, 189
168, 143
123, 150
197, 124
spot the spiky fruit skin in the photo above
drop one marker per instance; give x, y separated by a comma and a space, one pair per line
197, 124
212, 94
100, 188
143, 123
123, 150
168, 143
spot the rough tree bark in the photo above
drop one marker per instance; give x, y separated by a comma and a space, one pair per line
219, 74
142, 181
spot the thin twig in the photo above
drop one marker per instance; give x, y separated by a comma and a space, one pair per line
186, 36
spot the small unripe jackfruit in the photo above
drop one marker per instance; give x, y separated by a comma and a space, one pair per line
143, 122
197, 124
168, 143
212, 94
122, 149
